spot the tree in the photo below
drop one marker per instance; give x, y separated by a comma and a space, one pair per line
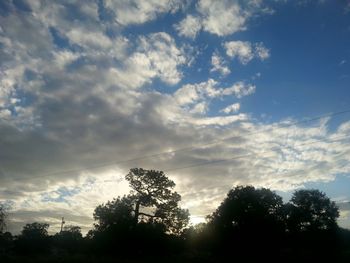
69, 239
246, 207
73, 231
141, 220
3, 216
117, 213
155, 201
34, 238
35, 230
247, 220
311, 210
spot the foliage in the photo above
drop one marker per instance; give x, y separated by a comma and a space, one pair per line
35, 230
246, 207
115, 213
155, 200
69, 239
34, 239
140, 220
3, 216
252, 224
248, 219
311, 210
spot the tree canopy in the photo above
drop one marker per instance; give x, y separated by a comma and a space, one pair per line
251, 223
35, 230
151, 200
247, 207
311, 210
34, 238
115, 213
69, 239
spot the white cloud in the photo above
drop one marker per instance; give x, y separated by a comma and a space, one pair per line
231, 108
261, 51
189, 27
218, 120
5, 113
156, 56
138, 71
222, 17
200, 108
62, 58
239, 89
219, 64
80, 197
240, 49
88, 38
192, 100
245, 52
187, 95
164, 56
191, 93
139, 11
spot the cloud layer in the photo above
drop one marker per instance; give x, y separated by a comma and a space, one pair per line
81, 100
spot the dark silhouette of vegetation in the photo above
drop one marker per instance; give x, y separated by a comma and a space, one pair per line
311, 225
153, 190
69, 240
3, 216
149, 215
247, 219
311, 210
250, 225
34, 239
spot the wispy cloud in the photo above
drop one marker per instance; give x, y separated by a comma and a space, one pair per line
219, 64
189, 27
245, 51
221, 17
231, 108
137, 11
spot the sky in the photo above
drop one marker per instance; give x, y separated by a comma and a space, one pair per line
215, 93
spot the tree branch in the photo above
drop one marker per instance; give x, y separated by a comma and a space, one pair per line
153, 216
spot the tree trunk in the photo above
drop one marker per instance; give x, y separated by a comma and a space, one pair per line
137, 212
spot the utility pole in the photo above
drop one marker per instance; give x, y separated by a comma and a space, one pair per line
62, 223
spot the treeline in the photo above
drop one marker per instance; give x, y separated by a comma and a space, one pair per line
250, 225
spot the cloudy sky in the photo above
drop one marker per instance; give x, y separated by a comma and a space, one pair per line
214, 93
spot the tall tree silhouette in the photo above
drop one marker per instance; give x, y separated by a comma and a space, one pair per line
141, 220
155, 201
